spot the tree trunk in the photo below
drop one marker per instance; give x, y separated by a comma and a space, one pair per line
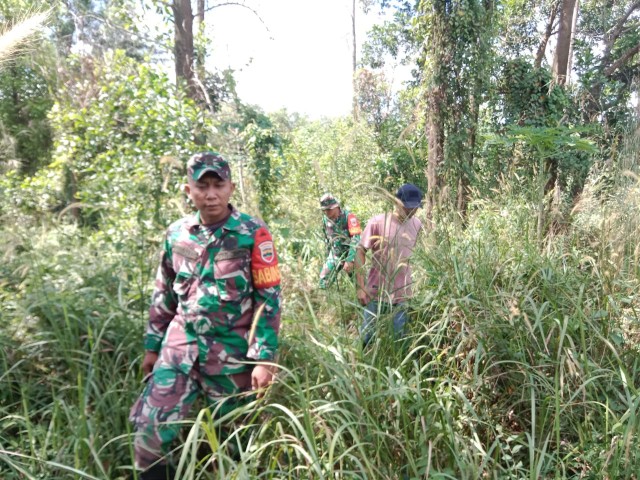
563, 47
199, 16
573, 36
547, 35
354, 63
462, 200
463, 179
183, 46
435, 136
198, 27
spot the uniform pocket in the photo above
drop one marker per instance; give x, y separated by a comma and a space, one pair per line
136, 410
232, 274
184, 279
185, 263
137, 413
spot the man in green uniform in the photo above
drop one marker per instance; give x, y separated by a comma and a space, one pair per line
215, 307
342, 234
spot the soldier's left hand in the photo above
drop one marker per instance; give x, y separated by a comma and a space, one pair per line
348, 267
261, 377
363, 296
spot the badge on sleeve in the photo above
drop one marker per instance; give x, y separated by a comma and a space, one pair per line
264, 261
353, 225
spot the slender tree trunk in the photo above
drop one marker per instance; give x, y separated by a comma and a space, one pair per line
435, 137
441, 48
463, 179
573, 36
561, 75
563, 47
546, 36
461, 201
354, 62
435, 55
199, 16
183, 46
243, 197
198, 27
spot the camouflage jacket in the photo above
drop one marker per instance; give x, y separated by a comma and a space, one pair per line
217, 296
342, 235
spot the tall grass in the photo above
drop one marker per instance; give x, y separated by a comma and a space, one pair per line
70, 355
15, 37
521, 362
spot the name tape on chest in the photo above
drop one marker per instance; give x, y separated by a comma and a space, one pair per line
264, 261
231, 254
186, 252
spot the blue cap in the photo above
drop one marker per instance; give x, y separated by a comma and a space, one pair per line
410, 195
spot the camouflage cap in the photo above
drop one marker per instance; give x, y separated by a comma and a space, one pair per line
204, 162
328, 201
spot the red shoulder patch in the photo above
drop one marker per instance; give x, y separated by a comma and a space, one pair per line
264, 260
353, 225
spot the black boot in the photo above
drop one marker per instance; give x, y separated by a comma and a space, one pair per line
158, 472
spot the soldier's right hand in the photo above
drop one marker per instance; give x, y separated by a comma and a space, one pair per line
149, 360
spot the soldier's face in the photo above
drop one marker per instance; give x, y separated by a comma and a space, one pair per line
332, 213
210, 195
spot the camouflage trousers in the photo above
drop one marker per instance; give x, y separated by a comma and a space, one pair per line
166, 400
332, 266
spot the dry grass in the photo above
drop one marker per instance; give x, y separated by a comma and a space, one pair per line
16, 37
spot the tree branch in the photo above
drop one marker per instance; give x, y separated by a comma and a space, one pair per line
614, 33
611, 69
238, 4
546, 36
164, 3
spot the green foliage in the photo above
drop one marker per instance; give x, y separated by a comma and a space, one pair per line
221, 88
119, 146
325, 156
25, 101
264, 145
25, 94
396, 38
530, 98
71, 311
329, 156
98, 27
522, 360
529, 153
520, 23
247, 136
396, 126
456, 57
520, 364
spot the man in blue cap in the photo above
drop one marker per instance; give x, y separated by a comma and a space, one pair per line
391, 237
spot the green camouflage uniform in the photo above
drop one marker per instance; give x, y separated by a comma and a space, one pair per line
208, 289
341, 236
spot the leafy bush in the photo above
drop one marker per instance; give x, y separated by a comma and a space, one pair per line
121, 140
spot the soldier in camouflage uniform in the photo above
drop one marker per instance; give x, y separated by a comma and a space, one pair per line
216, 305
342, 234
